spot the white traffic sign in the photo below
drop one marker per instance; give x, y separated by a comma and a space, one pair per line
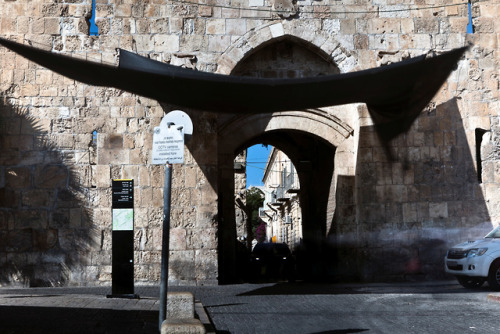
168, 144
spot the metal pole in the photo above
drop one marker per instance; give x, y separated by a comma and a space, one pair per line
165, 243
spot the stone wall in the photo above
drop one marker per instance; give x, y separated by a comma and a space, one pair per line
414, 208
55, 174
426, 192
240, 184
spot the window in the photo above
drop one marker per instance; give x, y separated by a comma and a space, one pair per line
479, 141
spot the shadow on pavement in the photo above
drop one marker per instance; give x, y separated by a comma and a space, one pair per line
223, 305
299, 288
343, 331
308, 288
58, 320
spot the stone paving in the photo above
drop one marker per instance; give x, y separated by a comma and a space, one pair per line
302, 308
78, 310
422, 307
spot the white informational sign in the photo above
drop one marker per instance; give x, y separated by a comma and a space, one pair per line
123, 219
168, 145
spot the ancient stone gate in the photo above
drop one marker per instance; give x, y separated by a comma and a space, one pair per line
369, 216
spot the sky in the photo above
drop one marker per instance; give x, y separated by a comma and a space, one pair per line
256, 161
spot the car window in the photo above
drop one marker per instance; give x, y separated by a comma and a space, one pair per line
271, 249
494, 234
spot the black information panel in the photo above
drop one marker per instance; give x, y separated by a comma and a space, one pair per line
123, 239
123, 194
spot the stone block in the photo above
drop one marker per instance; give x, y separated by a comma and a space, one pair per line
157, 197
8, 25
409, 212
154, 241
144, 176
216, 27
205, 238
123, 10
182, 265
51, 176
144, 196
218, 43
180, 305
138, 10
20, 240
205, 11
9, 198
182, 326
361, 41
113, 141
142, 26
37, 198
101, 176
29, 90
137, 156
490, 10
205, 217
130, 172
177, 239
166, 43
206, 265
75, 217
181, 197
236, 27
190, 180
426, 25
195, 197
152, 10
384, 25
113, 157
17, 177
155, 217
44, 240
103, 10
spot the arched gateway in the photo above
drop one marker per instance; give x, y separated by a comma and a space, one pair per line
299, 135
310, 138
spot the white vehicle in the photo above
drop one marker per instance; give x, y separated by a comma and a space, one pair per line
474, 262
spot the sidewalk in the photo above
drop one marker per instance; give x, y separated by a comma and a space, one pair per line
253, 308
81, 310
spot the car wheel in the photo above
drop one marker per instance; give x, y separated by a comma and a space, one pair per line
494, 275
470, 282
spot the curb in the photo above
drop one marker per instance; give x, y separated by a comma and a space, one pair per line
203, 317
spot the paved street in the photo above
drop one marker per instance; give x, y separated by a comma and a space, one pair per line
442, 307
421, 307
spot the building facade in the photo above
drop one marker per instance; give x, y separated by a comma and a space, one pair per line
281, 210
62, 142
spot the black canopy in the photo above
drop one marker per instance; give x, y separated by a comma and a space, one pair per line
395, 94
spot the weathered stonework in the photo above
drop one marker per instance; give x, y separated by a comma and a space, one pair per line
55, 175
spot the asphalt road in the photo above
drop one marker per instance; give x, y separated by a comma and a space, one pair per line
420, 307
424, 307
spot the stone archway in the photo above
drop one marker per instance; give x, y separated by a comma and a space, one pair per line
323, 43
310, 139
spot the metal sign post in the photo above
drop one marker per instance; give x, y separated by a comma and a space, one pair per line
165, 245
168, 148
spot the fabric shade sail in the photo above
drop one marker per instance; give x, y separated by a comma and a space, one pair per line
395, 94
